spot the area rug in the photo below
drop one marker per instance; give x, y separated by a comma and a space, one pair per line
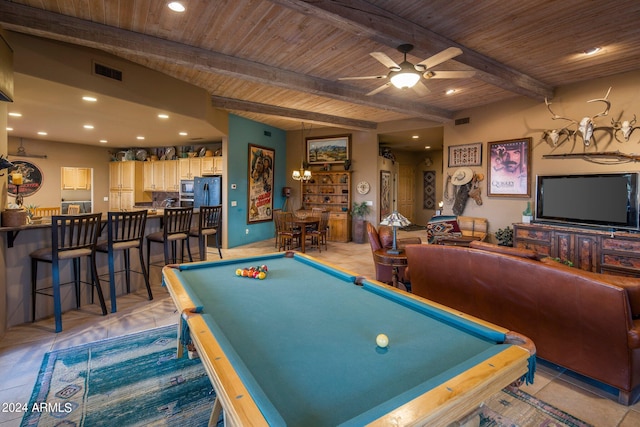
136, 380
514, 407
133, 380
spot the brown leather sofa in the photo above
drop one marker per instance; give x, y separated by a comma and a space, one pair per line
586, 322
383, 238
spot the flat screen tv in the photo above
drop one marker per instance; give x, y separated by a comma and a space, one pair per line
603, 200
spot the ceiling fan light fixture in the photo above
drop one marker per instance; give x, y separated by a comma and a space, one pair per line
407, 77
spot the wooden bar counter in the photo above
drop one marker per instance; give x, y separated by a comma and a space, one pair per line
16, 243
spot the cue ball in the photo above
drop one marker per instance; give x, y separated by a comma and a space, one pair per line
382, 340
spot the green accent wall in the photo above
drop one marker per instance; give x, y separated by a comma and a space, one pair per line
243, 132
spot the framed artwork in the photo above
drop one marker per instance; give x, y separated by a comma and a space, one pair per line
260, 183
509, 168
385, 194
330, 149
465, 155
429, 188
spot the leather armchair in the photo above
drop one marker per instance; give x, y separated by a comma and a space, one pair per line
383, 238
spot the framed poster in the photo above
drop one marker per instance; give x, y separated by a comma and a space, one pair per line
385, 194
260, 183
509, 168
465, 155
31, 178
330, 149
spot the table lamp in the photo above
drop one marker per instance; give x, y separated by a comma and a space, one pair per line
395, 220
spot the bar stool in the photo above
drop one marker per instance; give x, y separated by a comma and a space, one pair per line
125, 231
208, 225
72, 237
177, 222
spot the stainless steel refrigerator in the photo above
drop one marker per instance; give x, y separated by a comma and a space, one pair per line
207, 191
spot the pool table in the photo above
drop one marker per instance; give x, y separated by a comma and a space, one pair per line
299, 347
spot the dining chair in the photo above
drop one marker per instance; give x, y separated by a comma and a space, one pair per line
125, 231
319, 236
72, 238
47, 211
177, 223
73, 209
288, 234
210, 218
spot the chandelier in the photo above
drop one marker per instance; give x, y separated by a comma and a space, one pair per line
302, 174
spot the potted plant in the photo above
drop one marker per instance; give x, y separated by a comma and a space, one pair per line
359, 212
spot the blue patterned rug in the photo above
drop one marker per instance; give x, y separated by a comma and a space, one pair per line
131, 380
137, 380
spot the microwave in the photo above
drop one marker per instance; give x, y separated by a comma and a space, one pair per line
186, 186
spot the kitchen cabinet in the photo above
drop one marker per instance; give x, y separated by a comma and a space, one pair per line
126, 185
161, 175
189, 167
212, 165
153, 173
76, 178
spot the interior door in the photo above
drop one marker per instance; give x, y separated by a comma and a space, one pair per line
406, 191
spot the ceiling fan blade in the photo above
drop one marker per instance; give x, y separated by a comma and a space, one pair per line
385, 60
448, 74
440, 57
421, 89
363, 77
380, 89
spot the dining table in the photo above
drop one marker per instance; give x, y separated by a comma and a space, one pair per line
305, 223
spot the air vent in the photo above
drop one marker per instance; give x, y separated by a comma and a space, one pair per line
267, 133
462, 121
108, 72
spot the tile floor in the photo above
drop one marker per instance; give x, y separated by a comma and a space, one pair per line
22, 348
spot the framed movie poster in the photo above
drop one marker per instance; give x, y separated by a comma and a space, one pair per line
385, 194
260, 183
509, 168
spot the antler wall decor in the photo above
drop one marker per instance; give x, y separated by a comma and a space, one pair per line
624, 127
585, 127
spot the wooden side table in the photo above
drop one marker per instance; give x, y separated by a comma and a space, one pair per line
394, 260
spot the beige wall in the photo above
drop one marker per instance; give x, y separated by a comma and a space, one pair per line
61, 154
522, 117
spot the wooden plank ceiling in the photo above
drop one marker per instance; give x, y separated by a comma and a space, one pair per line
279, 61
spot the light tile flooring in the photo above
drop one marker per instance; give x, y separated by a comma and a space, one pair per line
22, 348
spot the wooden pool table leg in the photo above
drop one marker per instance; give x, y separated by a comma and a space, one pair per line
215, 413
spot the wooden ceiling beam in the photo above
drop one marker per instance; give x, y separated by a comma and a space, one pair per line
366, 20
307, 116
68, 29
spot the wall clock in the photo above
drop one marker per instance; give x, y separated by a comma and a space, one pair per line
363, 187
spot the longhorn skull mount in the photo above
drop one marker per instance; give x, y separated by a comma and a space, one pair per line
585, 127
4, 163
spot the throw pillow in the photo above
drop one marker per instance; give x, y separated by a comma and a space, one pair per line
442, 225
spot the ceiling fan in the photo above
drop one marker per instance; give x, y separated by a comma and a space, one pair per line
407, 75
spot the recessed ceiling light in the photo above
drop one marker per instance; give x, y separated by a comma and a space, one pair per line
89, 98
592, 51
9, 129
88, 126
163, 116
140, 137
183, 134
42, 133
103, 141
415, 136
450, 92
427, 147
15, 114
176, 6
